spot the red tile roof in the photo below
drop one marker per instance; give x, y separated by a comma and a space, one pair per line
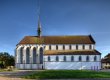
57, 40
71, 52
106, 59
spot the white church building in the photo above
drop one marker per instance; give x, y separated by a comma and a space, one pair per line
57, 52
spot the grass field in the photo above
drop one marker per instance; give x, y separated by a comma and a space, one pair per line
67, 74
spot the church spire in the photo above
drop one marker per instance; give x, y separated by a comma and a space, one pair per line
39, 31
39, 28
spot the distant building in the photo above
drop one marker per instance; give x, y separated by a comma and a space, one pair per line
106, 62
57, 52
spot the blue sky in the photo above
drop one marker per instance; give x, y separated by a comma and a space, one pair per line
19, 18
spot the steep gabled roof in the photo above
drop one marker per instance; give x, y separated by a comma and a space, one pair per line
57, 40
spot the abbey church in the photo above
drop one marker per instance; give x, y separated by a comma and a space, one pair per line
57, 52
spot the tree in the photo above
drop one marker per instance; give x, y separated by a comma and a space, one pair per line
6, 60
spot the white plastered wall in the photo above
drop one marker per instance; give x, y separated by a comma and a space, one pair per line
73, 46
76, 64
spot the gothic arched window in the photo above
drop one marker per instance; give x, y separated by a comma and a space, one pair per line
27, 55
34, 55
41, 55
21, 55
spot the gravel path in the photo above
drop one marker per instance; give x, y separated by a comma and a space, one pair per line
7, 78
15, 75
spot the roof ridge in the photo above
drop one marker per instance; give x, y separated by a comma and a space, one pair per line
57, 35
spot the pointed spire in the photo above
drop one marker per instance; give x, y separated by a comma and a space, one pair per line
39, 28
39, 23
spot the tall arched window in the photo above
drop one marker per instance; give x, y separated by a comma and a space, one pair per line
27, 55
95, 58
64, 58
41, 55
21, 55
80, 58
72, 58
87, 58
34, 56
57, 59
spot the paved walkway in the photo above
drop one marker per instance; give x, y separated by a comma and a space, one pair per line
7, 78
18, 73
15, 75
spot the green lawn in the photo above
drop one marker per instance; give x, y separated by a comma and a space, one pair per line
67, 74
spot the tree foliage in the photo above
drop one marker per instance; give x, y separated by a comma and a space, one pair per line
6, 60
